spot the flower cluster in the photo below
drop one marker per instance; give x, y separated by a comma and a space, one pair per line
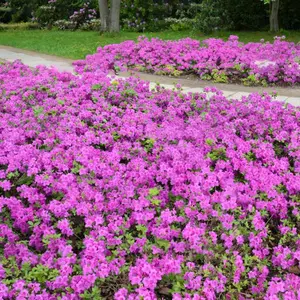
213, 59
109, 190
83, 16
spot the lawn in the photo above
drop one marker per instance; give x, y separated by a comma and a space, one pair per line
77, 44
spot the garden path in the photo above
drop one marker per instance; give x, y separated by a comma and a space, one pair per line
33, 59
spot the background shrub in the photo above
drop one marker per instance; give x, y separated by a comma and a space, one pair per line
45, 15
290, 14
179, 24
246, 15
154, 15
212, 16
5, 14
243, 15
139, 15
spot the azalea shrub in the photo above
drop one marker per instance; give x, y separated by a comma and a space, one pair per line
111, 191
262, 63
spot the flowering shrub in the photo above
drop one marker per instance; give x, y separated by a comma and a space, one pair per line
83, 16
93, 24
65, 14
64, 25
213, 59
109, 190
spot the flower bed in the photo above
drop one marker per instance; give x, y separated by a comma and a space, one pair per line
213, 59
109, 190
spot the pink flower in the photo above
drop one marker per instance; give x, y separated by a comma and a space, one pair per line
64, 226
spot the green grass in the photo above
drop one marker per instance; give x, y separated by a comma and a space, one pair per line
77, 44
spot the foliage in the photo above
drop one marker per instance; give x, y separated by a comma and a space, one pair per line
247, 15
244, 15
5, 14
140, 16
231, 14
45, 15
179, 24
110, 191
22, 10
289, 13
57, 11
212, 16
40, 9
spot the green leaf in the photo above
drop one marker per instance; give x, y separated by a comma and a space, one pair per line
154, 192
76, 167
163, 244
94, 99
26, 268
13, 174
141, 228
61, 102
116, 136
129, 238
24, 179
155, 202
38, 110
209, 142
217, 154
148, 144
96, 87
129, 93
47, 238
58, 195
250, 156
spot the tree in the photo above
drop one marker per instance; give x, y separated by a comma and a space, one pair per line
274, 23
274, 10
110, 15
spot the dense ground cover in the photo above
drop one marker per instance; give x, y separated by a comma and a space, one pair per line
109, 191
212, 59
78, 44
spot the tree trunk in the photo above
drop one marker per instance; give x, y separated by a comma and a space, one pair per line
115, 16
274, 24
104, 15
